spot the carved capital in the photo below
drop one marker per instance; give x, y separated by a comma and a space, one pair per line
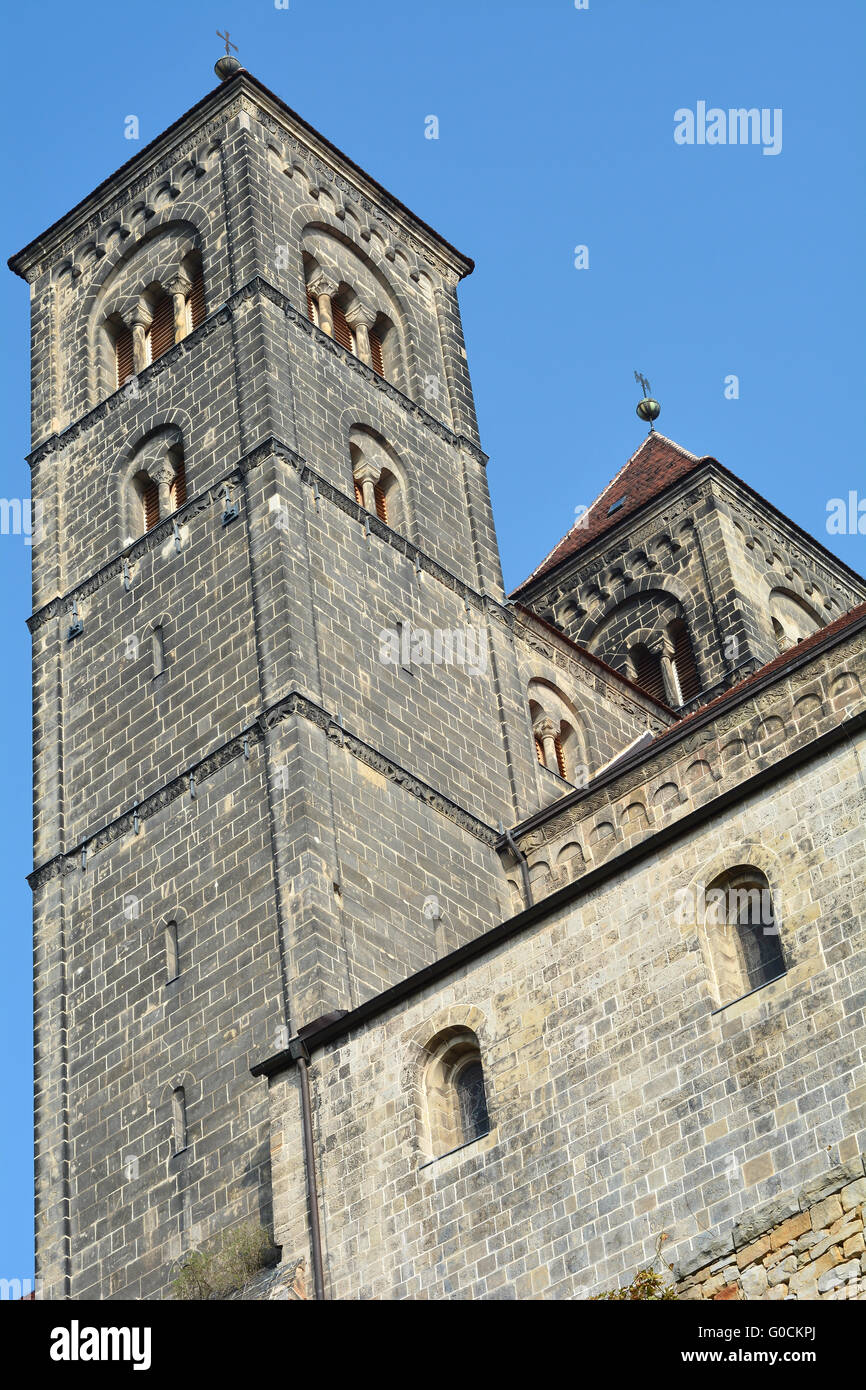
162, 473
544, 727
366, 472
181, 284
360, 315
140, 317
321, 283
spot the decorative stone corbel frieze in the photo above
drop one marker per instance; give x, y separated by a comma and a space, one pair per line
237, 747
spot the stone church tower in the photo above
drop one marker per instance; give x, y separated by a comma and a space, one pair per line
360, 891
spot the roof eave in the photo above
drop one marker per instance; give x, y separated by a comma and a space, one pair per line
22, 261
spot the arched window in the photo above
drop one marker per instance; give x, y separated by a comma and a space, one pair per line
377, 486
157, 486
555, 731
742, 933
792, 618
454, 1092
345, 302
684, 667
648, 675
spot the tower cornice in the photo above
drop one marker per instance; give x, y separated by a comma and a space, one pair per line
242, 93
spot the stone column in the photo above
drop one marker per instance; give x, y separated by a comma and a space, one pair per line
323, 287
367, 474
179, 289
546, 730
139, 322
163, 476
361, 318
669, 674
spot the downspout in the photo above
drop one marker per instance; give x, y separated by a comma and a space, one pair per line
299, 1051
521, 859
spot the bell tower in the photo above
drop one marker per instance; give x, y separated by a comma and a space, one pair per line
278, 716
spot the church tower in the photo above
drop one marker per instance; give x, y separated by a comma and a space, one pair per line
278, 717
358, 889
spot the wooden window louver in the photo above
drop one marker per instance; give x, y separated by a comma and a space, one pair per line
342, 331
359, 493
123, 356
178, 487
684, 660
150, 503
161, 332
560, 756
381, 503
376, 353
649, 673
195, 302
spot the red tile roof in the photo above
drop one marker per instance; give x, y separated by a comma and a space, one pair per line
653, 467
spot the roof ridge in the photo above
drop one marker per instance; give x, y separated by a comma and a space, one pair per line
583, 522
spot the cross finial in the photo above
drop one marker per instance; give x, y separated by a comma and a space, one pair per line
647, 409
228, 44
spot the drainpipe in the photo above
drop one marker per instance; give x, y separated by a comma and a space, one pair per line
299, 1051
521, 859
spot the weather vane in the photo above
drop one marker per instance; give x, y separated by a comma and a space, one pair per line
647, 409
226, 67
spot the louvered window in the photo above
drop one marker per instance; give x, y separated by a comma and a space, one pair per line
195, 303
123, 355
684, 661
312, 309
150, 503
381, 503
648, 669
560, 756
376, 353
359, 493
342, 332
539, 750
178, 487
160, 335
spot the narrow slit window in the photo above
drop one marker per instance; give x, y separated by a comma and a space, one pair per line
157, 638
178, 1116
172, 958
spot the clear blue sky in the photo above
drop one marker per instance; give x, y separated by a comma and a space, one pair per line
555, 130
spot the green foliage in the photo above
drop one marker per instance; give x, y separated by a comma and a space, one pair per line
647, 1284
216, 1273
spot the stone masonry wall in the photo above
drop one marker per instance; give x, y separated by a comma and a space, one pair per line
624, 1102
817, 1253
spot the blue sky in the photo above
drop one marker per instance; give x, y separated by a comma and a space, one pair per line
556, 130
